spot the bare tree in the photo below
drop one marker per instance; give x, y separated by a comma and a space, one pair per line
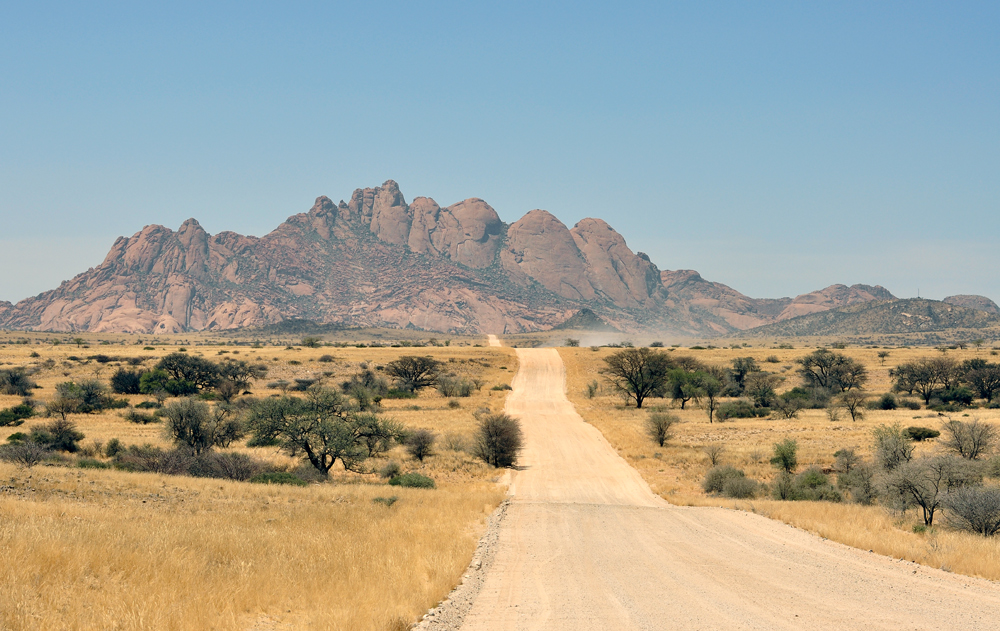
974, 509
714, 453
854, 402
926, 481
970, 440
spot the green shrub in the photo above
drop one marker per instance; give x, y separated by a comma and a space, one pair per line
501, 386
126, 381
386, 501
149, 405
14, 416
920, 434
113, 448
400, 394
813, 484
715, 479
412, 480
278, 477
739, 409
960, 396
59, 435
92, 463
133, 416
740, 488
910, 404
498, 439
887, 402
785, 455
784, 487
860, 483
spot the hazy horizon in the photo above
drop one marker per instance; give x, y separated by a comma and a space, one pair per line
776, 148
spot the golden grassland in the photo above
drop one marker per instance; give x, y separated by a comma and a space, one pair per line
107, 549
676, 470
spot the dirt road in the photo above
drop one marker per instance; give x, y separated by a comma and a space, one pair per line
586, 545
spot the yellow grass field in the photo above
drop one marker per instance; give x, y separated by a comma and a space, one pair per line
676, 470
107, 549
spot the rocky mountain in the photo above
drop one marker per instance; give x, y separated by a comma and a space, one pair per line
982, 303
883, 317
377, 260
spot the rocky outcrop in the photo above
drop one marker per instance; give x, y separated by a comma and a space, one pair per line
468, 232
612, 269
541, 248
980, 303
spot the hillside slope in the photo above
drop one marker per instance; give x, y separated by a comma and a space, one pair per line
888, 317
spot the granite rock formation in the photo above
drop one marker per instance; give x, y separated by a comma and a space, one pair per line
377, 260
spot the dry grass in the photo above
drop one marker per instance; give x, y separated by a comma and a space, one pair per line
114, 550
676, 470
105, 549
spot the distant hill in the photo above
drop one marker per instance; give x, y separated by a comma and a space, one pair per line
982, 303
585, 320
887, 317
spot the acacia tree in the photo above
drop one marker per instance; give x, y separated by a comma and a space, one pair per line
637, 373
414, 373
711, 391
832, 371
323, 426
924, 376
184, 368
984, 380
742, 368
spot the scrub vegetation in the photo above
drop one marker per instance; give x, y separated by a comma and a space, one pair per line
183, 483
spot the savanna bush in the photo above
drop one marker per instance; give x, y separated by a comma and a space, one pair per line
498, 439
390, 469
739, 409
420, 444
740, 488
658, 426
278, 477
716, 478
920, 434
452, 386
412, 480
974, 509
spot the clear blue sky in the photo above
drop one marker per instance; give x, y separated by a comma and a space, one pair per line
775, 147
